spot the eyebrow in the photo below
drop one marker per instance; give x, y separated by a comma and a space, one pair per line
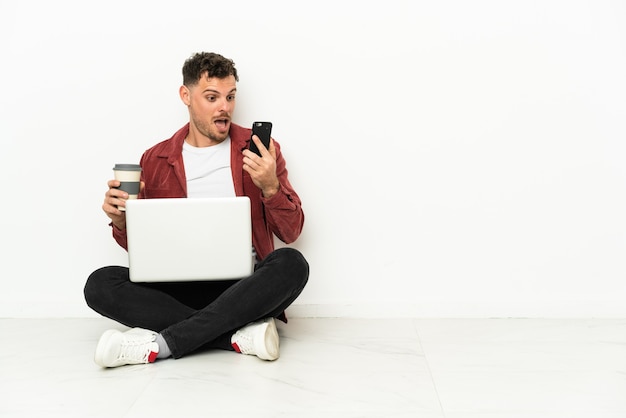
215, 91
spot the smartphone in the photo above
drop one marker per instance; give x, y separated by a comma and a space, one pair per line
264, 131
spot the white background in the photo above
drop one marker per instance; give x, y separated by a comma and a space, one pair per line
455, 158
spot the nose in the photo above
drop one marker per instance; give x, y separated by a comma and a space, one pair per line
225, 105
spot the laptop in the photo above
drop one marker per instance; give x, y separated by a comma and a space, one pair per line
188, 239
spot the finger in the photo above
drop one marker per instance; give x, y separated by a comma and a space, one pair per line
260, 146
113, 187
248, 158
113, 184
115, 201
116, 193
272, 149
111, 208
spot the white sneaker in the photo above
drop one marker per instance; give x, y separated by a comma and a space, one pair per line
135, 346
259, 339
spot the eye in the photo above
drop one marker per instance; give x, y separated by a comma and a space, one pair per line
231, 97
211, 98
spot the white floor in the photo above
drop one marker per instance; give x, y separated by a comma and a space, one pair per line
427, 368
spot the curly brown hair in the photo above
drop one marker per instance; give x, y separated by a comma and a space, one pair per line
210, 63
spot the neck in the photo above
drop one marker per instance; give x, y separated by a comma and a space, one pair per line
196, 139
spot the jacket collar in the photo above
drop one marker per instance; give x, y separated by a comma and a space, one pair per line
239, 137
239, 140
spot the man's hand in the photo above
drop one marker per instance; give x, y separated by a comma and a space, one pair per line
262, 169
114, 198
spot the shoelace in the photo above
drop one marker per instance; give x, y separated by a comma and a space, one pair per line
135, 349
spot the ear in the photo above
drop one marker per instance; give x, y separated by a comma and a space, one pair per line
185, 95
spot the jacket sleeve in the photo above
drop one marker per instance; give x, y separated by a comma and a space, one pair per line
283, 211
120, 236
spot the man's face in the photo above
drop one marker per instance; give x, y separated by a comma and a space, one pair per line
211, 103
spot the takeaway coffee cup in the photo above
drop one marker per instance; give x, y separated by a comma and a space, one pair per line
128, 175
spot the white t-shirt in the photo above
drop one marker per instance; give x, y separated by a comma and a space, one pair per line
208, 170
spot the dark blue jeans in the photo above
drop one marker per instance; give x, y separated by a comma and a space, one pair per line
199, 315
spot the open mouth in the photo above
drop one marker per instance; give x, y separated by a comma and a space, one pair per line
222, 124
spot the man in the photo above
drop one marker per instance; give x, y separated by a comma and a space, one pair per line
208, 157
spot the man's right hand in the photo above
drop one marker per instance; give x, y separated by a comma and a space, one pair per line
112, 199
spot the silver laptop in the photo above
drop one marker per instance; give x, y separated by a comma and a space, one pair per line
184, 239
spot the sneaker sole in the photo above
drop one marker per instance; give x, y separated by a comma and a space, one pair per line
101, 348
271, 343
